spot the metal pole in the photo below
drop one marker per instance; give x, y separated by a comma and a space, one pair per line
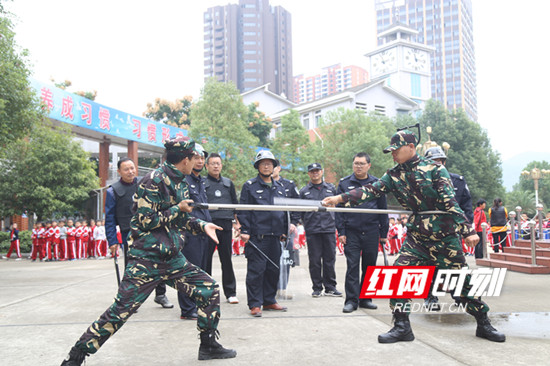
484, 238
533, 246
222, 206
512, 216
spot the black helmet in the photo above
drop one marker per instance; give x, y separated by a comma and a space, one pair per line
265, 154
435, 153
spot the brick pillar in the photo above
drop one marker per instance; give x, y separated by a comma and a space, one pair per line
104, 161
133, 151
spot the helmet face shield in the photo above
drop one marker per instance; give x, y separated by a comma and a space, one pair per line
265, 154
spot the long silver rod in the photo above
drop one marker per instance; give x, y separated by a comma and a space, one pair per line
225, 206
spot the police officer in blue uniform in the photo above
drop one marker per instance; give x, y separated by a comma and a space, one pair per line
360, 233
464, 199
262, 231
321, 234
196, 246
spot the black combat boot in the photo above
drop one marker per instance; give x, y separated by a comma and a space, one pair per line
75, 357
401, 330
210, 349
486, 330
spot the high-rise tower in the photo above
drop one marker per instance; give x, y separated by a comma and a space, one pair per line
249, 44
447, 26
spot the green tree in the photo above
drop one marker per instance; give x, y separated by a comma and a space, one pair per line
171, 113
523, 199
470, 155
346, 132
19, 106
259, 124
293, 149
47, 173
527, 184
220, 121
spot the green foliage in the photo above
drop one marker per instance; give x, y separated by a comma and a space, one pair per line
524, 199
527, 184
294, 150
220, 123
46, 173
347, 132
19, 107
171, 113
25, 242
470, 155
259, 124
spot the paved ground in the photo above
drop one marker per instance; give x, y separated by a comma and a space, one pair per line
45, 307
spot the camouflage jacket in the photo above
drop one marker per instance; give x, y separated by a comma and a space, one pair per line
419, 185
158, 224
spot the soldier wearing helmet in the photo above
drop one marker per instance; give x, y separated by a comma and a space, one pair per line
262, 231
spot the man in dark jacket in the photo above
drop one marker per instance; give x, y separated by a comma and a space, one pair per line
360, 233
321, 234
221, 189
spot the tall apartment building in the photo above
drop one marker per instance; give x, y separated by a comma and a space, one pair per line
249, 43
332, 79
446, 25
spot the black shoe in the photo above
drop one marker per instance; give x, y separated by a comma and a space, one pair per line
190, 316
210, 349
75, 357
349, 307
432, 303
368, 304
316, 293
401, 330
163, 300
333, 293
486, 330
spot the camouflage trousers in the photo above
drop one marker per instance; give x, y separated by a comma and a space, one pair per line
141, 277
444, 254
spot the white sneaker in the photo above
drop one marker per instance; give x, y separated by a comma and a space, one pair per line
17, 259
4, 257
232, 300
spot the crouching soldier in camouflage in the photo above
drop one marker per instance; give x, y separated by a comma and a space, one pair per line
421, 185
161, 217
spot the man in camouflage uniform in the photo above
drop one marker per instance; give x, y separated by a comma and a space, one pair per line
421, 185
161, 218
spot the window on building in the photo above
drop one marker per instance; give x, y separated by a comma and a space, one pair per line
380, 110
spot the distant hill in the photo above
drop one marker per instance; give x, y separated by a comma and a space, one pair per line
512, 167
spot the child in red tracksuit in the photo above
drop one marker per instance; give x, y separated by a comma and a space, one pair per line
49, 240
55, 241
41, 240
34, 238
78, 235
84, 238
14, 243
71, 241
92, 248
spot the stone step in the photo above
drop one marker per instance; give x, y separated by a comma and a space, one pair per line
527, 251
527, 244
520, 258
516, 267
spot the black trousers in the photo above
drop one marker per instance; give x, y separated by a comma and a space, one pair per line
161, 287
361, 246
499, 241
229, 282
195, 252
261, 275
478, 250
321, 250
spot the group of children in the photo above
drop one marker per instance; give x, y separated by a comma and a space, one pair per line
52, 241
